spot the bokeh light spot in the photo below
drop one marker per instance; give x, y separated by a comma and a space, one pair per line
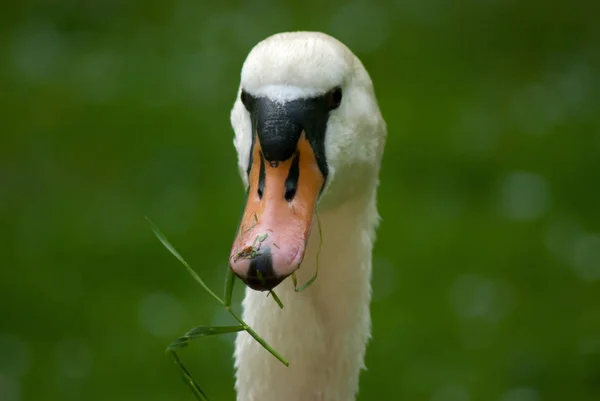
476, 335
586, 257
477, 130
362, 25
74, 358
475, 296
95, 76
521, 394
451, 393
537, 108
15, 358
161, 314
38, 50
560, 237
524, 196
10, 389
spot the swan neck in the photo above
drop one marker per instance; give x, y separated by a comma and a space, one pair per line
322, 331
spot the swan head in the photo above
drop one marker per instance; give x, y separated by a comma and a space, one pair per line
308, 131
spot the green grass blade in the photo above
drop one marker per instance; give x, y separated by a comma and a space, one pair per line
312, 280
259, 339
187, 377
228, 291
161, 237
202, 331
276, 298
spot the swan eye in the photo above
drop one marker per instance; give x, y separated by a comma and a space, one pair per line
334, 98
246, 99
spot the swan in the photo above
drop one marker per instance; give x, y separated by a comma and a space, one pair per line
308, 133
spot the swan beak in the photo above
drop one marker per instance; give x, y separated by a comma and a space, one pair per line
278, 216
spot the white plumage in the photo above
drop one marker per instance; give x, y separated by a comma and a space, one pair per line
323, 331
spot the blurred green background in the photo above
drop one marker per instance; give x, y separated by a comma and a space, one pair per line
487, 265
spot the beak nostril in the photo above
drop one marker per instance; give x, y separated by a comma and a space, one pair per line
261, 177
290, 193
291, 183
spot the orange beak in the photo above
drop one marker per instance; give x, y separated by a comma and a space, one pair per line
277, 219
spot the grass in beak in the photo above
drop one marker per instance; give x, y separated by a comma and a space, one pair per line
275, 297
313, 278
203, 331
251, 251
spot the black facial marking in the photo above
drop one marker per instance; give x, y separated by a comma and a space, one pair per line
291, 182
278, 126
261, 177
263, 263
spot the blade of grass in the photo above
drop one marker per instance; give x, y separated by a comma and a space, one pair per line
258, 338
312, 280
161, 237
202, 331
275, 297
228, 291
187, 377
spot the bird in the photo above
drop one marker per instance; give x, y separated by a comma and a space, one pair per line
309, 137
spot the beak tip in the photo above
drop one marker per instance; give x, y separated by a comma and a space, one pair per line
257, 271
266, 284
